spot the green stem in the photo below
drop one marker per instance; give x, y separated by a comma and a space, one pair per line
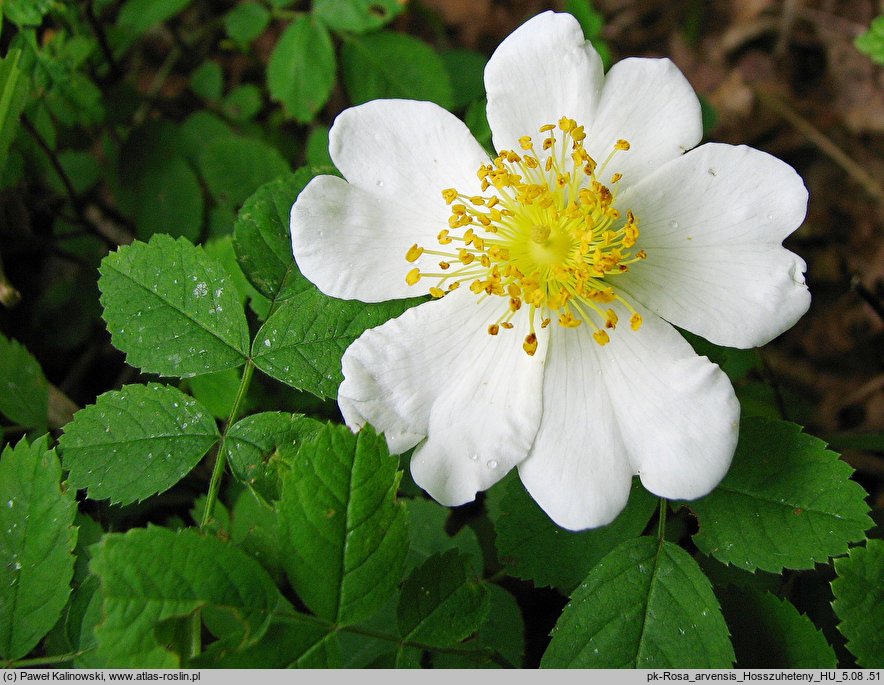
661, 523
221, 459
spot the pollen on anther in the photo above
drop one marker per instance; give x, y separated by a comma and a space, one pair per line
635, 321
413, 276
530, 344
493, 329
601, 337
622, 145
414, 252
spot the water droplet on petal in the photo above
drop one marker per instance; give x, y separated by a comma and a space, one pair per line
474, 457
492, 463
673, 224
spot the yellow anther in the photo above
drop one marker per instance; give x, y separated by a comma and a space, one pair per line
493, 329
437, 292
466, 257
450, 195
635, 321
459, 209
641, 254
491, 201
444, 266
468, 236
443, 237
513, 290
515, 304
413, 253
601, 337
567, 320
578, 134
525, 142
530, 344
621, 145
507, 325
615, 178
413, 276
547, 127
611, 319
548, 143
454, 286
545, 323
566, 124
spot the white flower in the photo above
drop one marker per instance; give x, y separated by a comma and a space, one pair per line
592, 229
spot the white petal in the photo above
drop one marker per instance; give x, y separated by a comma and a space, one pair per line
577, 470
408, 152
712, 223
650, 104
351, 243
435, 372
677, 412
543, 71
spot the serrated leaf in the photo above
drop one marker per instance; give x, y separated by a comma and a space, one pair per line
532, 547
24, 392
262, 447
768, 632
442, 602
859, 602
357, 16
500, 640
394, 65
302, 342
172, 309
291, 641
37, 539
426, 530
136, 442
347, 535
254, 527
787, 502
262, 239
301, 71
151, 575
645, 605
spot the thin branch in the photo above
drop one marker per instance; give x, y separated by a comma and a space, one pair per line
823, 142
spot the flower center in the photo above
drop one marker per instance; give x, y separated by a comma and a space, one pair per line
544, 234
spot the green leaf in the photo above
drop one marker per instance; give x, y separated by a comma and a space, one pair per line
502, 634
262, 238
317, 147
217, 391
172, 309
37, 538
25, 393
246, 21
222, 250
301, 72
466, 69
26, 12
348, 536
768, 632
234, 167
787, 502
208, 80
137, 16
242, 103
254, 528
592, 23
357, 16
872, 41
14, 87
262, 447
527, 539
442, 602
477, 121
859, 602
426, 531
136, 442
645, 605
291, 641
302, 342
151, 575
394, 65
170, 200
